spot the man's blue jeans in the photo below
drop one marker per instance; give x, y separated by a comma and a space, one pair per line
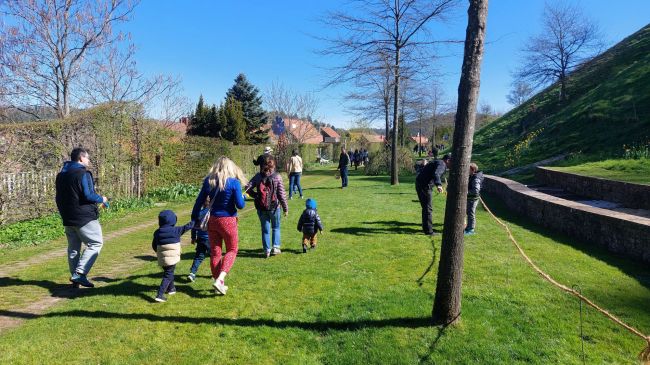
270, 221
294, 182
344, 176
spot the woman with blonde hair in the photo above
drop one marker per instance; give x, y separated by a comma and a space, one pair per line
224, 187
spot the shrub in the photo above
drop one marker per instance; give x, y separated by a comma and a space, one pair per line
380, 162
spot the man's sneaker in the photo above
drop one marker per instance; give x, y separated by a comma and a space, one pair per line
220, 287
81, 280
469, 232
304, 248
171, 291
275, 251
191, 277
161, 299
268, 253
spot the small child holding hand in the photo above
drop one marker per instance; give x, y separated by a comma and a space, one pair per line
309, 224
167, 244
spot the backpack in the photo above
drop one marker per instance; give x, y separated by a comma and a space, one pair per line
266, 198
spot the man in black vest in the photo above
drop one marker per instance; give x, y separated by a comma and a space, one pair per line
77, 202
430, 175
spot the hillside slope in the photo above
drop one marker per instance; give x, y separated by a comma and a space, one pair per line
608, 106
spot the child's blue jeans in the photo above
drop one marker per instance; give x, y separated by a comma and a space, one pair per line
202, 248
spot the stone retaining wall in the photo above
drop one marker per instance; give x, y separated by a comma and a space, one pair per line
630, 195
618, 232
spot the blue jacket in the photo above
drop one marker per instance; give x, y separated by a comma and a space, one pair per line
168, 232
197, 233
224, 202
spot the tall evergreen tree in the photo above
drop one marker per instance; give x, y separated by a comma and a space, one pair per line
198, 121
234, 118
254, 116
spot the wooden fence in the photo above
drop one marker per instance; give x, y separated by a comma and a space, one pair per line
26, 195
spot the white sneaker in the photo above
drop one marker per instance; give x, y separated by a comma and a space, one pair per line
191, 277
220, 287
275, 251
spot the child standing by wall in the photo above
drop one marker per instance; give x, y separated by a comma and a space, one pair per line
200, 238
309, 224
473, 196
167, 244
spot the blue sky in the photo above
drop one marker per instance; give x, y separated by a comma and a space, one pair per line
208, 42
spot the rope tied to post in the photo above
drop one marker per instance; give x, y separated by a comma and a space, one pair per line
644, 355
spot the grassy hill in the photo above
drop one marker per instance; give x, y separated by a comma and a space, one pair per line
608, 107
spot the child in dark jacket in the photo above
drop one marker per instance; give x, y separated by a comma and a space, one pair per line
200, 239
309, 224
167, 244
473, 196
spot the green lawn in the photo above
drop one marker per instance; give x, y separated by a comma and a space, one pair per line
364, 296
634, 171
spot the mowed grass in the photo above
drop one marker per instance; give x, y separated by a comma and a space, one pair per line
634, 171
363, 296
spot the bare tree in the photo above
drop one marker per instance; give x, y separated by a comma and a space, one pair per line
47, 43
394, 28
113, 77
285, 102
447, 302
297, 109
173, 103
568, 38
520, 92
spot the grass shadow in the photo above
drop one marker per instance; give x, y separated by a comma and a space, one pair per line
382, 227
631, 268
321, 326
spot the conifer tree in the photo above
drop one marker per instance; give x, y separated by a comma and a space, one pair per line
198, 122
251, 102
234, 117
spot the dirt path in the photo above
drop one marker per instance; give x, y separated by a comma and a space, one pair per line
107, 270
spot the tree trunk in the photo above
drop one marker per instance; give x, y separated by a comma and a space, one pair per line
386, 111
394, 178
447, 302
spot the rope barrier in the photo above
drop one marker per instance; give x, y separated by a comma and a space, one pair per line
644, 355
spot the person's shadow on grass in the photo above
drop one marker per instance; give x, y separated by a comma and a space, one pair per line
382, 227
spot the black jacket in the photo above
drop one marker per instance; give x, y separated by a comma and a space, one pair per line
168, 233
309, 222
431, 173
475, 182
344, 160
75, 195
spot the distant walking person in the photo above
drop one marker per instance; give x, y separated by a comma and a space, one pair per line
267, 189
223, 186
344, 161
473, 196
77, 202
294, 168
430, 176
259, 161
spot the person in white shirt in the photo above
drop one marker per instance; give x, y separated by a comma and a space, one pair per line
294, 169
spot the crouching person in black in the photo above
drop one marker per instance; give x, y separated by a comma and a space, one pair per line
429, 176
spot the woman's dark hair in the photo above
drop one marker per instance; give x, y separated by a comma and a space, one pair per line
294, 152
269, 165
